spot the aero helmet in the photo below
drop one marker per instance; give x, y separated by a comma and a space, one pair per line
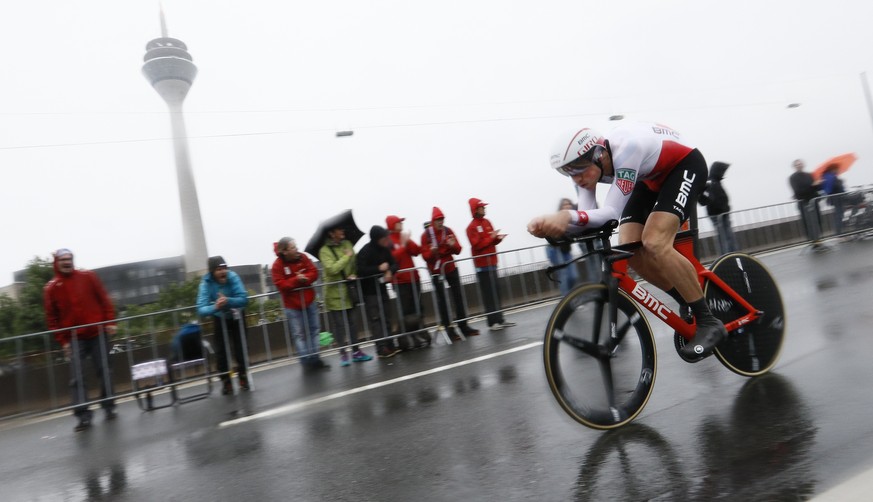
586, 144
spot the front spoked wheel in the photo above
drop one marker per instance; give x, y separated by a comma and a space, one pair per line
752, 349
600, 378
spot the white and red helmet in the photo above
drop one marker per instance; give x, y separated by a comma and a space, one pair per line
586, 144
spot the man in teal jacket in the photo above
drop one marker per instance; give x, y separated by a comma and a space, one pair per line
222, 297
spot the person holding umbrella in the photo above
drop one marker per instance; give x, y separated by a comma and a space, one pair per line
805, 191
832, 186
337, 256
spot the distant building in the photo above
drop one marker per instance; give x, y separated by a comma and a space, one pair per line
13, 290
141, 282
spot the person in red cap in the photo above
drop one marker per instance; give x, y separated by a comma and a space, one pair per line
438, 247
407, 284
78, 298
483, 243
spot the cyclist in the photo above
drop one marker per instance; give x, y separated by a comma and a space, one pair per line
655, 178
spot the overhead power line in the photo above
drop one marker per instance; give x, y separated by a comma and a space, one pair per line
385, 126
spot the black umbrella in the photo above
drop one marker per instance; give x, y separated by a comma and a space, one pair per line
345, 220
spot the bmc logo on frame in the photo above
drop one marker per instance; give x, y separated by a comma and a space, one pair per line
650, 302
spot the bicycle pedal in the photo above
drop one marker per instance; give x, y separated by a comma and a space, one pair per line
679, 344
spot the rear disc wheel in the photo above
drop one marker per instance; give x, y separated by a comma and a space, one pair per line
752, 349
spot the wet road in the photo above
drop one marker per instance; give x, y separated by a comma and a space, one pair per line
476, 421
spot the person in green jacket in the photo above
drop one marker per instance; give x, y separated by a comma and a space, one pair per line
337, 256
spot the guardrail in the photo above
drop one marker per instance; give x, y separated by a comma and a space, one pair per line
35, 377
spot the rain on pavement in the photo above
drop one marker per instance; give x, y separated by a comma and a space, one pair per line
476, 421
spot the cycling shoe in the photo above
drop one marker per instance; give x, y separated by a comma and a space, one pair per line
710, 332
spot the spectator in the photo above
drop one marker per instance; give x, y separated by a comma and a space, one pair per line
438, 247
294, 274
832, 186
561, 254
340, 291
222, 297
377, 268
483, 243
805, 192
187, 343
407, 285
718, 207
76, 298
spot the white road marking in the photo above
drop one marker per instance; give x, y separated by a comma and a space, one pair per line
855, 489
292, 407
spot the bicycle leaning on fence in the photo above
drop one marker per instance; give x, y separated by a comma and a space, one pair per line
599, 351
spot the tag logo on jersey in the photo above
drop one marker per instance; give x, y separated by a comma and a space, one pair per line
625, 179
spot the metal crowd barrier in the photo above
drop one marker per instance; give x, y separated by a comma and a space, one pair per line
34, 375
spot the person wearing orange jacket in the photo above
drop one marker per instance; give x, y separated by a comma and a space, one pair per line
438, 247
483, 242
78, 298
407, 285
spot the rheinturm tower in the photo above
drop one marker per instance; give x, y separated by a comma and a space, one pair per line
171, 71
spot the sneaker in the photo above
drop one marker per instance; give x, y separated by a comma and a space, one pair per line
386, 352
359, 356
471, 332
344, 360
508, 324
496, 326
710, 332
320, 365
227, 388
244, 382
111, 414
83, 425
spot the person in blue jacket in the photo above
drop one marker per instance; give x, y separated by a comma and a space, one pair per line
222, 298
832, 186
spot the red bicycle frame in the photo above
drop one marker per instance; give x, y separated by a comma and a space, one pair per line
684, 243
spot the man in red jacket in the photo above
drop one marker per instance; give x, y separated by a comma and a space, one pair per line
483, 241
407, 285
77, 298
438, 247
294, 274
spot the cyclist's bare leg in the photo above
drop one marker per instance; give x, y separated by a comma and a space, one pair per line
658, 261
665, 267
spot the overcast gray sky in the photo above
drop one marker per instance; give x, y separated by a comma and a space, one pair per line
448, 100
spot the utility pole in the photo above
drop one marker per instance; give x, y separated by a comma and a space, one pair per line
869, 98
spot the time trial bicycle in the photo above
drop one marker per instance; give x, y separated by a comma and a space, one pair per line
599, 350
